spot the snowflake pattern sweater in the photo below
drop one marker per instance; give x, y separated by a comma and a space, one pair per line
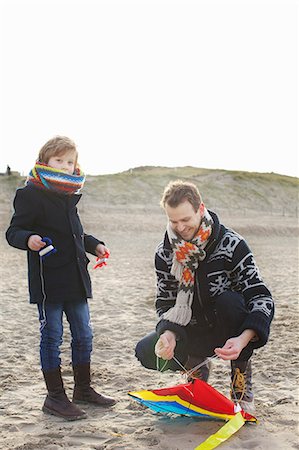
229, 265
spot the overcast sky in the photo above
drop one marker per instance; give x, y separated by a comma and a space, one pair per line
204, 83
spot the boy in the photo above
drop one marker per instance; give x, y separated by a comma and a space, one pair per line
58, 282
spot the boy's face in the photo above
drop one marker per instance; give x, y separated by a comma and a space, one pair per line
65, 162
184, 220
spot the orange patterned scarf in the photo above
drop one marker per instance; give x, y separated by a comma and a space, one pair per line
187, 255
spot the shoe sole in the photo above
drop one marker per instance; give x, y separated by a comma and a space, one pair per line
69, 418
85, 402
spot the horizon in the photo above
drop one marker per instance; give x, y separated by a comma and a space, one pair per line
148, 167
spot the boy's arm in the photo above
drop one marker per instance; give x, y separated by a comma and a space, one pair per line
21, 225
91, 243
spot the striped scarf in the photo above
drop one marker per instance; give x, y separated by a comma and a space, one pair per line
187, 255
46, 177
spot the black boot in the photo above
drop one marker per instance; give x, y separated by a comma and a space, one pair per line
241, 385
83, 392
202, 372
56, 402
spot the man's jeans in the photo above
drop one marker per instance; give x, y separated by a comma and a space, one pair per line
51, 329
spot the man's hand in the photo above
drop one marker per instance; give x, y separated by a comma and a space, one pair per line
233, 346
165, 345
35, 243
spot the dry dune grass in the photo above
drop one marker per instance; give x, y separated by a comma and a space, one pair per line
122, 311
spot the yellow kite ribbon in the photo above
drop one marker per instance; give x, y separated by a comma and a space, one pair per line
231, 427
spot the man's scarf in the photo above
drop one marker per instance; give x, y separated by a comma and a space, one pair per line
187, 255
46, 177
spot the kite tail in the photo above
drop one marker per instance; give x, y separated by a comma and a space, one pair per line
231, 427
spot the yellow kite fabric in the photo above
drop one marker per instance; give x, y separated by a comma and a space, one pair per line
231, 427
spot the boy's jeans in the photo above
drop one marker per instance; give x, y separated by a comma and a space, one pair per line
51, 329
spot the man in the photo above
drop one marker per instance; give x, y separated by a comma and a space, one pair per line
210, 296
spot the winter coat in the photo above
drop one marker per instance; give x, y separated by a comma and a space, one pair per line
228, 265
61, 276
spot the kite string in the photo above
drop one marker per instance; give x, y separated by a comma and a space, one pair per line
187, 372
160, 369
198, 366
179, 364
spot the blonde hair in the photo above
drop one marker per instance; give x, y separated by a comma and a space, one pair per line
58, 145
176, 192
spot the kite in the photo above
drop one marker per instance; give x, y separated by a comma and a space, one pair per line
197, 399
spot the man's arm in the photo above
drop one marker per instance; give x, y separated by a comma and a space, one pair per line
258, 299
167, 285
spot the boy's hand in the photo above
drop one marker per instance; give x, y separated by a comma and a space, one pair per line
103, 254
101, 250
35, 242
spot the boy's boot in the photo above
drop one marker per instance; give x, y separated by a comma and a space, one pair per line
56, 402
203, 372
83, 392
241, 385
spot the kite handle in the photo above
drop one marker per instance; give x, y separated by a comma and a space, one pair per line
102, 260
46, 251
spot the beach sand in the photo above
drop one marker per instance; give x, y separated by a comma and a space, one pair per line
122, 312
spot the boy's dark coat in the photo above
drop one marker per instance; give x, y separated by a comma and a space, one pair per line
48, 214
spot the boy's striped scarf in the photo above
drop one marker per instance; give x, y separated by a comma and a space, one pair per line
187, 255
47, 177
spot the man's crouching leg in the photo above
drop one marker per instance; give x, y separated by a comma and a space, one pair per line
241, 385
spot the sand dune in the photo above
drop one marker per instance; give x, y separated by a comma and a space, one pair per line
122, 311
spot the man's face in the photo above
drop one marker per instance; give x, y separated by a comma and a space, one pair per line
184, 220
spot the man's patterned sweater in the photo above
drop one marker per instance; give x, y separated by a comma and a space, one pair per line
229, 265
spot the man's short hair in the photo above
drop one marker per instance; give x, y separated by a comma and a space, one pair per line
177, 192
58, 145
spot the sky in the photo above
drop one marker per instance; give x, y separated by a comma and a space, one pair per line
210, 84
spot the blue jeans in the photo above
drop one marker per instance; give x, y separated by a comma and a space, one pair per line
51, 332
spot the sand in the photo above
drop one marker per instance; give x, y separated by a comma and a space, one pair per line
122, 311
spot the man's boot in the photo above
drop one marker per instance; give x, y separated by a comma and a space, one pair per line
241, 385
56, 402
202, 372
83, 392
